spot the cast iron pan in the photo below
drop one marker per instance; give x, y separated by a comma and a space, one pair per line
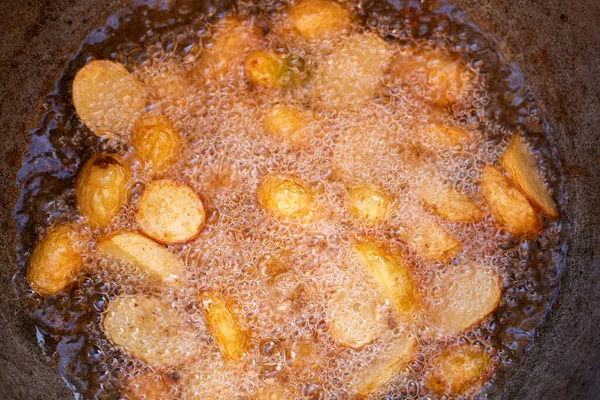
556, 44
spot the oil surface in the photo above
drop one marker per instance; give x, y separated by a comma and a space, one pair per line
227, 153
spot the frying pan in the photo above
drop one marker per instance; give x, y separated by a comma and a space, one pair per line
556, 43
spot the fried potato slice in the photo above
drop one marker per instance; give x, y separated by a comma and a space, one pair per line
149, 385
287, 123
509, 207
464, 296
518, 163
102, 188
449, 203
430, 240
107, 98
161, 265
370, 203
149, 330
319, 19
442, 137
266, 69
286, 198
54, 261
156, 142
458, 370
170, 212
391, 274
352, 73
225, 326
381, 371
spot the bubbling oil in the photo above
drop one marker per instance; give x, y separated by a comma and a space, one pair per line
279, 275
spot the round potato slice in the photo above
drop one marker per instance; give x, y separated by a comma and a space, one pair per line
287, 123
170, 212
156, 142
107, 98
458, 370
369, 202
102, 188
319, 19
54, 261
463, 297
286, 198
149, 330
430, 240
150, 385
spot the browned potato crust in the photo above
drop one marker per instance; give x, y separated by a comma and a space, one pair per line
149, 385
156, 142
102, 188
521, 169
107, 98
170, 212
225, 326
319, 19
509, 207
449, 203
161, 265
370, 203
55, 261
287, 123
286, 198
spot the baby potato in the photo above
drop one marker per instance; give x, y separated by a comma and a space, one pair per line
519, 165
370, 203
465, 296
102, 188
107, 98
156, 142
442, 137
149, 330
170, 212
161, 265
509, 207
286, 198
266, 69
449, 203
225, 326
149, 385
287, 123
352, 73
319, 19
458, 370
54, 261
391, 275
431, 241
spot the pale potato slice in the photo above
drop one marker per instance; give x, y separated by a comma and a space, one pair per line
170, 212
149, 385
391, 274
161, 265
287, 123
286, 198
319, 19
149, 330
225, 326
464, 296
449, 203
430, 240
521, 169
442, 137
354, 320
458, 370
509, 207
102, 188
266, 69
352, 73
370, 203
55, 260
156, 142
376, 375
107, 98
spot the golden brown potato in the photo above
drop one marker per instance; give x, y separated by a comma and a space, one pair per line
287, 124
170, 212
149, 385
376, 375
286, 198
449, 203
458, 370
430, 240
55, 260
369, 202
509, 207
441, 137
107, 98
161, 265
266, 69
465, 296
352, 73
519, 165
319, 19
391, 274
225, 326
102, 188
156, 142
149, 330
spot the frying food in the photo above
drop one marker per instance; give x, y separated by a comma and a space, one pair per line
225, 326
156, 142
288, 124
449, 203
369, 202
286, 198
319, 19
